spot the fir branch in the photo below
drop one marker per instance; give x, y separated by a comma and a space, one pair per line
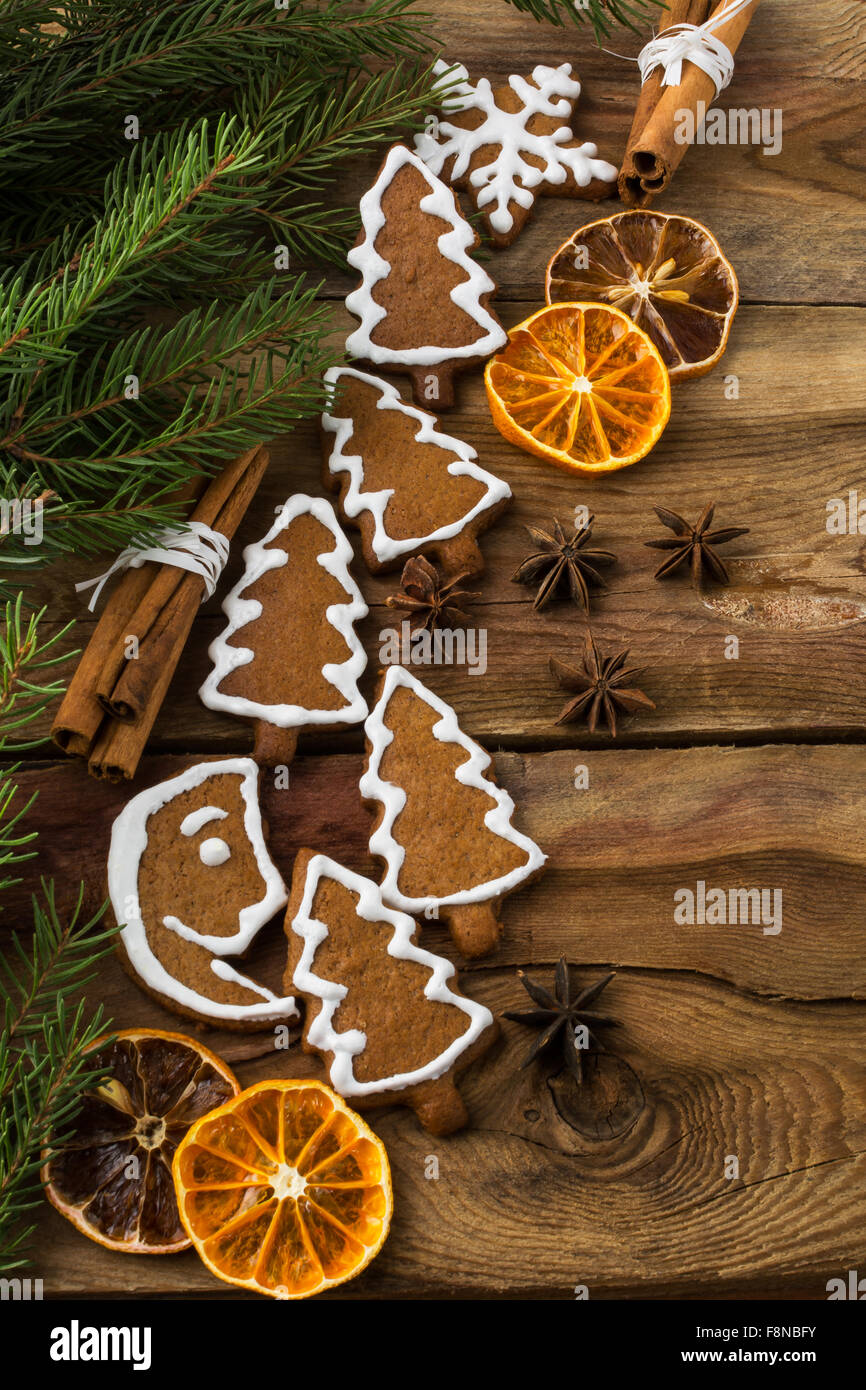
45, 1061
190, 216
152, 202
203, 397
24, 697
219, 40
22, 652
603, 15
44, 1040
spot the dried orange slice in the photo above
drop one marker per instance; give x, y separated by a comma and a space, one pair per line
113, 1178
581, 385
667, 272
284, 1189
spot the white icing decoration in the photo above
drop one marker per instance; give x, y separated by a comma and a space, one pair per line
343, 676
224, 971
509, 177
497, 820
213, 852
356, 500
191, 824
346, 1046
128, 843
454, 245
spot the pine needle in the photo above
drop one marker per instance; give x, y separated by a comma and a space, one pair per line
155, 334
602, 15
44, 1037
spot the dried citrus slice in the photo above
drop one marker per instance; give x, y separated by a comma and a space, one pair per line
581, 385
667, 272
284, 1189
113, 1178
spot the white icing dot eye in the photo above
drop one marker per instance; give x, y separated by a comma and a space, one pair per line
213, 852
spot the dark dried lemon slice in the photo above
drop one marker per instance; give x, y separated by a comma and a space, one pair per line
667, 272
113, 1178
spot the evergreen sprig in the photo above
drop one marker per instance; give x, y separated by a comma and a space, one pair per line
44, 1037
45, 1065
168, 324
603, 15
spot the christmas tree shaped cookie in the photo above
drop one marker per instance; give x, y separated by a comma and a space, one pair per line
422, 302
191, 883
506, 145
385, 1014
407, 487
289, 657
443, 828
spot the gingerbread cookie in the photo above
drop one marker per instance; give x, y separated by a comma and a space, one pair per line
385, 1014
407, 487
422, 302
191, 880
297, 659
506, 145
443, 828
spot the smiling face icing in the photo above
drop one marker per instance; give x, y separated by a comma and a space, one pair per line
190, 878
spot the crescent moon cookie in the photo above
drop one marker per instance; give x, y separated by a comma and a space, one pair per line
423, 303
386, 1015
506, 145
191, 881
297, 658
443, 827
407, 487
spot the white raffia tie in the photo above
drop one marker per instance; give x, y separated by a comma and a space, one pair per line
692, 43
197, 548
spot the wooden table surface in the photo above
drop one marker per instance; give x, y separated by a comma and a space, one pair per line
750, 772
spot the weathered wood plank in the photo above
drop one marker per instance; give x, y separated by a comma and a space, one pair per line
772, 459
649, 824
791, 222
535, 1207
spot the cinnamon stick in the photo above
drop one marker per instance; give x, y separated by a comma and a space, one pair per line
142, 685
157, 603
678, 12
653, 153
80, 714
166, 580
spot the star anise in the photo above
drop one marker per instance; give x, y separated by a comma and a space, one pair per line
559, 563
600, 688
695, 544
430, 601
559, 1017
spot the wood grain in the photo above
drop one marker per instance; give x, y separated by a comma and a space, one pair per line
791, 222
772, 459
525, 1205
649, 824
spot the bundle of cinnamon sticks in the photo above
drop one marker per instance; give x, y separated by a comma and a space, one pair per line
655, 148
115, 695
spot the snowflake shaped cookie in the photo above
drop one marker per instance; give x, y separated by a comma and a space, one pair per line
506, 145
